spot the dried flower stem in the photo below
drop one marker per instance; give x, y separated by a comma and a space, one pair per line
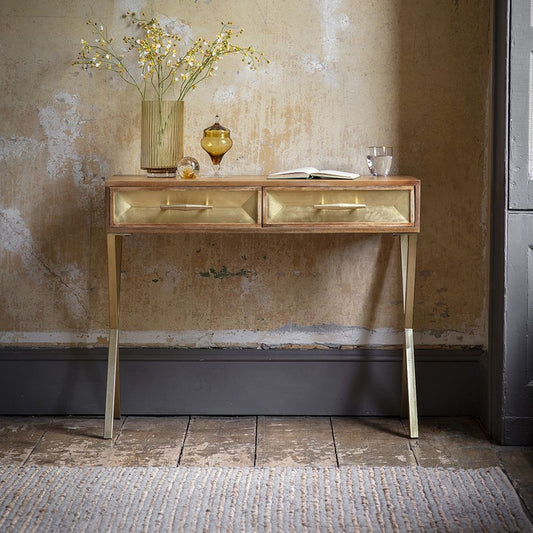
160, 63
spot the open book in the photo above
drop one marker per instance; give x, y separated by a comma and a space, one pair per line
310, 173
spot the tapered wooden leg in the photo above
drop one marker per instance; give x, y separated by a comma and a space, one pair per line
409, 403
112, 401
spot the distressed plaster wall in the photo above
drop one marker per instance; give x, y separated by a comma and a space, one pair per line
343, 74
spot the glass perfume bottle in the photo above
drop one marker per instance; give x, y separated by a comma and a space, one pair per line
216, 141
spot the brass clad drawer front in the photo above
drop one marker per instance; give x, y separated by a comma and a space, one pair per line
339, 206
185, 205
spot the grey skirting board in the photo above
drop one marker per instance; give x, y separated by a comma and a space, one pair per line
165, 381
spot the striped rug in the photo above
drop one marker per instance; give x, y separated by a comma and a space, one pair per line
250, 500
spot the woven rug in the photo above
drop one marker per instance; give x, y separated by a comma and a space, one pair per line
258, 500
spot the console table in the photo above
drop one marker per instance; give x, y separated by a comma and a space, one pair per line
255, 204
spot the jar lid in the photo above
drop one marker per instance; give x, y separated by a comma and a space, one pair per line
217, 130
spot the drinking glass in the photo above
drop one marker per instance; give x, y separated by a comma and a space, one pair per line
379, 160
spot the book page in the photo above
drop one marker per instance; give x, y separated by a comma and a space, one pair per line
339, 174
303, 172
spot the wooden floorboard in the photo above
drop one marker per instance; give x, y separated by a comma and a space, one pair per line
372, 441
150, 441
73, 442
290, 441
453, 442
220, 441
19, 436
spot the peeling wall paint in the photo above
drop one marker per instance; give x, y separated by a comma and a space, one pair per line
332, 23
346, 75
66, 280
288, 336
16, 237
62, 126
17, 148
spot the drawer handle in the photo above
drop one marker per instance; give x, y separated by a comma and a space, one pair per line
184, 207
337, 207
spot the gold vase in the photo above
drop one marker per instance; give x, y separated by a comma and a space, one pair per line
161, 137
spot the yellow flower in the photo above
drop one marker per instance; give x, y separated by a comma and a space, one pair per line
158, 57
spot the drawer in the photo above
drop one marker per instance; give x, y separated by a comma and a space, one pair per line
184, 206
350, 207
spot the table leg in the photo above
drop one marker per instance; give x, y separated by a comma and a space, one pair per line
409, 404
112, 400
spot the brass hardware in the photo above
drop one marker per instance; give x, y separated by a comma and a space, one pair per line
339, 206
408, 259
184, 207
114, 261
298, 206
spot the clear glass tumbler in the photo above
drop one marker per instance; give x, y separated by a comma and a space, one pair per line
379, 160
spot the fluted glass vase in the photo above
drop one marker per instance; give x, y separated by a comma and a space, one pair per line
161, 137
